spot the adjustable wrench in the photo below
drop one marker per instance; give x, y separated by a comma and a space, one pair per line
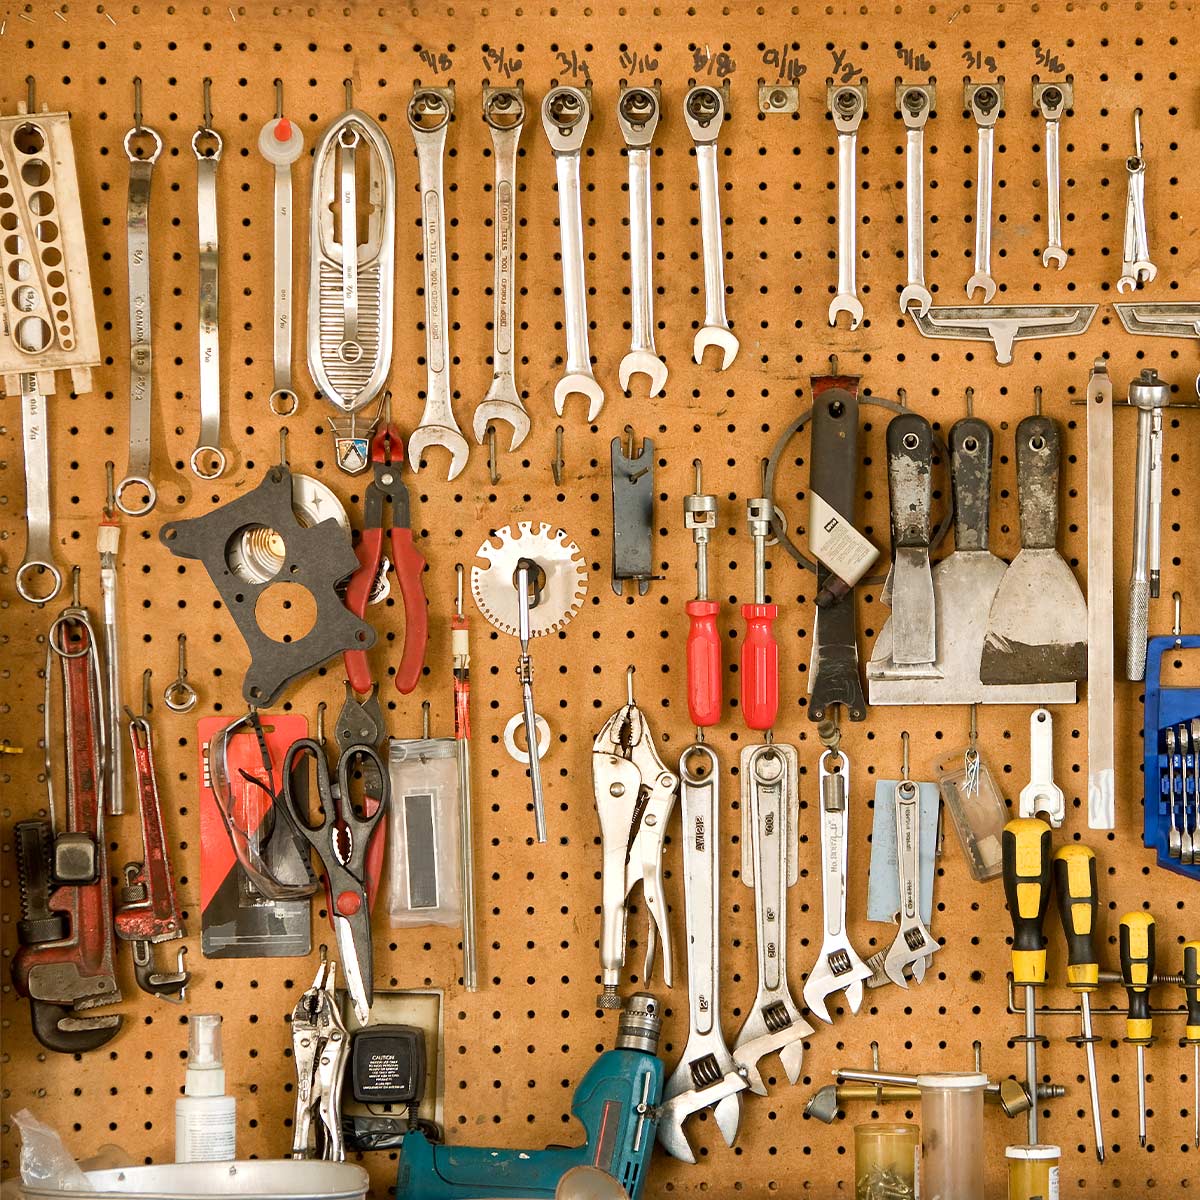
985, 100
1136, 267
429, 113
774, 1022
704, 109
1053, 99
847, 107
706, 1075
566, 114
638, 113
914, 944
1041, 794
915, 102
838, 967
504, 114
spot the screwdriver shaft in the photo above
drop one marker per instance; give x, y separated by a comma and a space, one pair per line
1031, 1075
1196, 1096
1141, 1072
1093, 1091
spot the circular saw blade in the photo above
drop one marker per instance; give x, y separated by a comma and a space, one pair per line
493, 585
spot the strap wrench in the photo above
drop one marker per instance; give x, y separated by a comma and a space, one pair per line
429, 114
984, 100
914, 102
847, 107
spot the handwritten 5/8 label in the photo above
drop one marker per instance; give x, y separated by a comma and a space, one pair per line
706, 62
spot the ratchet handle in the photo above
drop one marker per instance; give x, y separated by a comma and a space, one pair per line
704, 663
409, 564
759, 671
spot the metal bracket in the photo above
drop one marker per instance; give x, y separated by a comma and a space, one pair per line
633, 513
782, 98
1162, 319
1002, 326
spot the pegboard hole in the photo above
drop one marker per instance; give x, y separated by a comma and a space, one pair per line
285, 612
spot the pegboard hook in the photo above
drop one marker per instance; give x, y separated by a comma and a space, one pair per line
137, 103
970, 402
1137, 132
493, 471
1177, 623
30, 93
278, 99
629, 673
459, 571
425, 719
207, 103
110, 495
904, 755
283, 446
557, 464
348, 85
1037, 401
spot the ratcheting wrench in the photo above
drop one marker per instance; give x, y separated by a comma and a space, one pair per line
638, 113
1053, 99
847, 107
429, 113
914, 944
1041, 794
985, 100
915, 102
504, 114
566, 114
838, 967
704, 109
1136, 267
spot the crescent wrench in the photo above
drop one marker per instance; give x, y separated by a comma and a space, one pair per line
915, 101
847, 107
985, 100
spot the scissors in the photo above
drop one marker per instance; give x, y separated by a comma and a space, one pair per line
342, 841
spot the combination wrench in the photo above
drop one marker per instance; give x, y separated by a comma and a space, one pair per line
984, 101
1041, 794
1136, 267
915, 103
638, 113
704, 109
281, 143
847, 107
566, 114
504, 114
429, 113
1052, 100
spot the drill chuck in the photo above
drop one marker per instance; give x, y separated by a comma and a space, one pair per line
640, 1024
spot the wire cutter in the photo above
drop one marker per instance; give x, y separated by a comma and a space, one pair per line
387, 458
320, 1045
635, 795
342, 841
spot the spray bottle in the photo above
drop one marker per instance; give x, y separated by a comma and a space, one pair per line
205, 1118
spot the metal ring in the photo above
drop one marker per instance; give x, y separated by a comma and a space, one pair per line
29, 565
278, 394
543, 737
219, 455
129, 481
137, 131
778, 524
69, 615
180, 687
493, 103
210, 133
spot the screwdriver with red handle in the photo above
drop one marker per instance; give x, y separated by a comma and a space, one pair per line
759, 671
704, 640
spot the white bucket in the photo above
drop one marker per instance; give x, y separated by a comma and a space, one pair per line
278, 1179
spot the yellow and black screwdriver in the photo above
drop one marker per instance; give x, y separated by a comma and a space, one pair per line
1075, 883
1137, 974
1026, 854
1191, 1037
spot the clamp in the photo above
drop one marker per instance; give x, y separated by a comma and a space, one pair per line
320, 1046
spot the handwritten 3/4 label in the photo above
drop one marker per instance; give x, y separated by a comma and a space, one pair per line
573, 64
788, 68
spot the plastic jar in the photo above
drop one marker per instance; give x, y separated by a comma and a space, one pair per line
1033, 1172
952, 1135
885, 1156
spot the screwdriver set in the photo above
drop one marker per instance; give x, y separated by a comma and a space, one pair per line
732, 793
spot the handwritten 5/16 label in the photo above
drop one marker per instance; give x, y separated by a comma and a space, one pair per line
1048, 59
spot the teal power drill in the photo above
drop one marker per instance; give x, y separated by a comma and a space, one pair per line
616, 1102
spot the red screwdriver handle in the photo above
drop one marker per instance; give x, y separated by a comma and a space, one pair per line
704, 663
760, 667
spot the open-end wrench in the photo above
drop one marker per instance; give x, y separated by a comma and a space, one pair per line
847, 107
429, 113
1053, 99
706, 1075
914, 102
704, 109
774, 1023
566, 114
504, 114
1041, 795
638, 113
914, 944
1136, 267
984, 100
838, 967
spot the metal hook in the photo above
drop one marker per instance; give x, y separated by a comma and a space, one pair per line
283, 446
278, 99
629, 672
75, 586
321, 707
207, 103
425, 718
764, 467
1137, 132
904, 754
459, 571
137, 103
348, 84
30, 93
833, 364
977, 1047
902, 397
1037, 401
699, 468
1177, 627
556, 464
974, 734
179, 970
970, 402
110, 495
493, 473
146, 704
180, 696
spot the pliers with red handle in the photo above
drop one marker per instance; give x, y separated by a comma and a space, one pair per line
387, 458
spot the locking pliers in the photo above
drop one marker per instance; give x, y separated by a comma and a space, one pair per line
320, 1045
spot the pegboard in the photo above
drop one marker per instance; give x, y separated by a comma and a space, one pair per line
515, 1050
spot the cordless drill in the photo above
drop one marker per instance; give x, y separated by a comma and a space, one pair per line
616, 1102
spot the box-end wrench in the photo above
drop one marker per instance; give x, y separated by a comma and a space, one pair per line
774, 1023
838, 967
638, 113
39, 553
706, 1076
1041, 794
847, 107
1136, 267
1053, 99
429, 113
566, 114
984, 101
504, 115
704, 109
914, 102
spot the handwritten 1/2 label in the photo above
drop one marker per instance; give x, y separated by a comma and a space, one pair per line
706, 62
438, 61
788, 68
634, 62
498, 59
843, 70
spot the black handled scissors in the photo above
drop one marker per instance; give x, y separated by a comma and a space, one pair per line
342, 841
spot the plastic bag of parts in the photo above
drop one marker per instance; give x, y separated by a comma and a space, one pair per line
970, 792
424, 880
46, 1164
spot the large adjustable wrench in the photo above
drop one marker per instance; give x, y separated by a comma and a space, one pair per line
774, 1023
504, 115
704, 109
914, 102
914, 945
429, 113
847, 107
838, 967
566, 114
638, 113
1053, 99
984, 100
706, 1076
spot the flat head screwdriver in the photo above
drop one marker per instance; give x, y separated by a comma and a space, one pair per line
1137, 973
1191, 1036
460, 645
759, 670
1075, 883
704, 640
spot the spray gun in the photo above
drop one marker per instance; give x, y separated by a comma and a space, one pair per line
616, 1102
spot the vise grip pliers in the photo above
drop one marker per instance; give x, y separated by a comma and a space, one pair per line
320, 1045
